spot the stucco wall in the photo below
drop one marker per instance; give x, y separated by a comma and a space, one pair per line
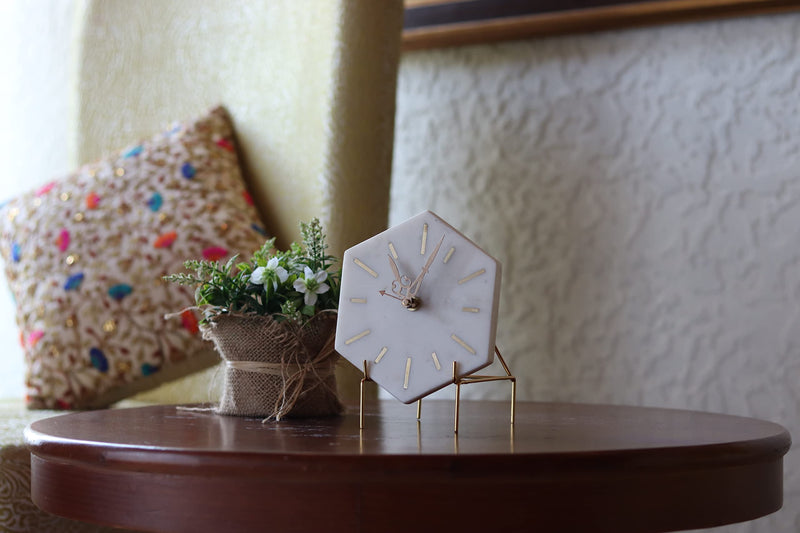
642, 189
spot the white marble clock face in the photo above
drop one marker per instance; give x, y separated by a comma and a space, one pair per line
455, 288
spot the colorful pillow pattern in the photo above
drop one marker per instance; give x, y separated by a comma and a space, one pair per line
85, 256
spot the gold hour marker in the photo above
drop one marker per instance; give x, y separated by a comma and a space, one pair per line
367, 269
358, 300
463, 344
361, 335
408, 371
381, 354
472, 276
391, 249
436, 361
471, 309
424, 239
449, 255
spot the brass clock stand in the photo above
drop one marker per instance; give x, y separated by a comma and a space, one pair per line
464, 380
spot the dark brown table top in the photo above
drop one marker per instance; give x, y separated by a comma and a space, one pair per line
563, 467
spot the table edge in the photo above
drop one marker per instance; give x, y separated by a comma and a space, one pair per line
174, 460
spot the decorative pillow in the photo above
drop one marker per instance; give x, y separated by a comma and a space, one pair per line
85, 255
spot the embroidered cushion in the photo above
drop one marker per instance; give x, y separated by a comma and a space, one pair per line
85, 256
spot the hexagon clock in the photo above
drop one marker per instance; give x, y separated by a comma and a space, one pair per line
418, 304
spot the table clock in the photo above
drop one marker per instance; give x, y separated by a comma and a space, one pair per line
418, 310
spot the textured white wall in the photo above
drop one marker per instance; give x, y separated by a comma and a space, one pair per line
642, 189
34, 116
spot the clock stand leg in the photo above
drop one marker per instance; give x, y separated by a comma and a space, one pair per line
476, 378
364, 380
457, 381
361, 400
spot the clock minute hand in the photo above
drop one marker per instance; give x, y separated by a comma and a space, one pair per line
412, 291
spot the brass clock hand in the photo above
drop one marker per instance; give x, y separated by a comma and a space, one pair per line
394, 268
409, 303
390, 295
412, 291
400, 282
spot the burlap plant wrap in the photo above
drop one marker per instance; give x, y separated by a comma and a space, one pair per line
276, 369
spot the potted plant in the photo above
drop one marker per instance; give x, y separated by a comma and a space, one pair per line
273, 321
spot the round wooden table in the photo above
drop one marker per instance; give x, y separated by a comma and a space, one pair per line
562, 467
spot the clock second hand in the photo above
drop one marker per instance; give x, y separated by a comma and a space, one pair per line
412, 291
390, 295
410, 302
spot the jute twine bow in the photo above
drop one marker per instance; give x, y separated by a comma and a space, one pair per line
298, 377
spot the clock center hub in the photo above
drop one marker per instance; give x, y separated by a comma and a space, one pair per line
412, 304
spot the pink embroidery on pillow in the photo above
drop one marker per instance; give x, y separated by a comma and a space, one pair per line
63, 240
214, 253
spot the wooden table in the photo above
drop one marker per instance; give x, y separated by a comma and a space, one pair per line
562, 468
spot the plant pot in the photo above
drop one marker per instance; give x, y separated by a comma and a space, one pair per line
275, 369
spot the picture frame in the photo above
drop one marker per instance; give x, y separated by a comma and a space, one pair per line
443, 23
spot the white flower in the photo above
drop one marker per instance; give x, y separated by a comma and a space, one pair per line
272, 272
258, 275
311, 285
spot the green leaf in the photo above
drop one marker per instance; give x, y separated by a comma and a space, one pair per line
230, 262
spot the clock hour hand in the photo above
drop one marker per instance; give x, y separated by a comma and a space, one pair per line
412, 291
401, 285
395, 270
